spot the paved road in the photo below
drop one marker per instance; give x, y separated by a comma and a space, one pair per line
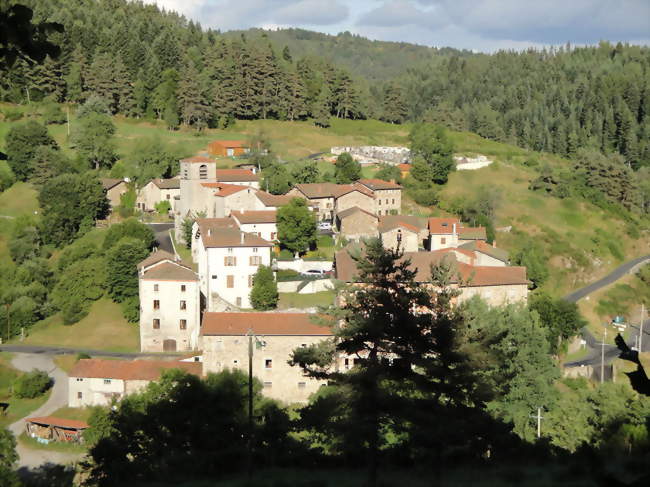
35, 350
610, 278
611, 351
163, 239
58, 398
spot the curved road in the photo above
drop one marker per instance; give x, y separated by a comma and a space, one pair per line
611, 351
30, 458
163, 239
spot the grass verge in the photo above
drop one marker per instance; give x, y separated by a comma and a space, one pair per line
296, 300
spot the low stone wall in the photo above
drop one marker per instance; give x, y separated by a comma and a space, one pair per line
312, 286
300, 265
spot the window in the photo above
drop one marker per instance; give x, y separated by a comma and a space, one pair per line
230, 260
393, 200
302, 385
346, 363
251, 280
80, 395
386, 200
156, 304
303, 345
238, 302
255, 260
80, 379
107, 381
183, 324
255, 248
167, 196
268, 363
183, 288
379, 202
230, 281
230, 250
214, 276
203, 171
443, 241
273, 234
235, 362
268, 385
183, 305
155, 287
156, 324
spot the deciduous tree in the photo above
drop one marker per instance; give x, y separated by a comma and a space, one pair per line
296, 226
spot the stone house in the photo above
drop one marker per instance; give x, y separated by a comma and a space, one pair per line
355, 223
170, 304
261, 223
241, 177
388, 221
227, 259
276, 335
96, 382
158, 190
497, 285
387, 195
228, 148
351, 195
399, 235
114, 188
322, 195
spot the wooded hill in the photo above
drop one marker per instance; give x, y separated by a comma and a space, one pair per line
159, 65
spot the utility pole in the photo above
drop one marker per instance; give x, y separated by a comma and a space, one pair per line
641, 328
250, 404
539, 418
602, 358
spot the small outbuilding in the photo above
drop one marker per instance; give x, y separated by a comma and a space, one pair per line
227, 148
49, 428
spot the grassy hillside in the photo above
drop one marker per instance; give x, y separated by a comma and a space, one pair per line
580, 240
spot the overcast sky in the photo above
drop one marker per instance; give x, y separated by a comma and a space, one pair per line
482, 25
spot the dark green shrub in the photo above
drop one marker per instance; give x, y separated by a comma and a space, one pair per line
32, 384
425, 197
82, 356
285, 255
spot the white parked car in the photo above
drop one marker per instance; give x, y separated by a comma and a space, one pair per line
325, 226
313, 272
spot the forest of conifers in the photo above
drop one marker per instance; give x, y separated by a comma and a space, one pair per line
149, 63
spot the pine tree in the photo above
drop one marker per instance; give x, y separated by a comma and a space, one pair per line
320, 111
192, 101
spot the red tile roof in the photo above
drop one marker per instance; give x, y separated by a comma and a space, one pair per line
229, 175
225, 189
197, 159
129, 369
261, 216
230, 237
492, 276
378, 184
71, 424
443, 226
238, 324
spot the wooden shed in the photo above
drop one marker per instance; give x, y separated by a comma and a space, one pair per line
49, 428
227, 148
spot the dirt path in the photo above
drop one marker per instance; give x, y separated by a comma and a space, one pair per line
28, 457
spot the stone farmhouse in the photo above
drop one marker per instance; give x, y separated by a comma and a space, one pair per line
114, 188
355, 223
158, 190
227, 259
170, 304
497, 285
96, 382
225, 346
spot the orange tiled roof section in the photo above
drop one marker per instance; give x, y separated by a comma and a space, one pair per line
376, 184
231, 237
225, 189
283, 324
71, 424
230, 143
444, 226
198, 159
227, 175
130, 369
256, 216
167, 271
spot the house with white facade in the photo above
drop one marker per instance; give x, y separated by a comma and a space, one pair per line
97, 382
170, 304
227, 259
242, 177
276, 335
261, 223
158, 190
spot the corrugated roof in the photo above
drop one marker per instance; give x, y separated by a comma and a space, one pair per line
229, 175
376, 184
167, 271
261, 216
472, 233
443, 226
291, 324
71, 424
129, 369
198, 159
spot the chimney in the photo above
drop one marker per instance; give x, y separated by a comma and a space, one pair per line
241, 237
209, 232
243, 210
454, 229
